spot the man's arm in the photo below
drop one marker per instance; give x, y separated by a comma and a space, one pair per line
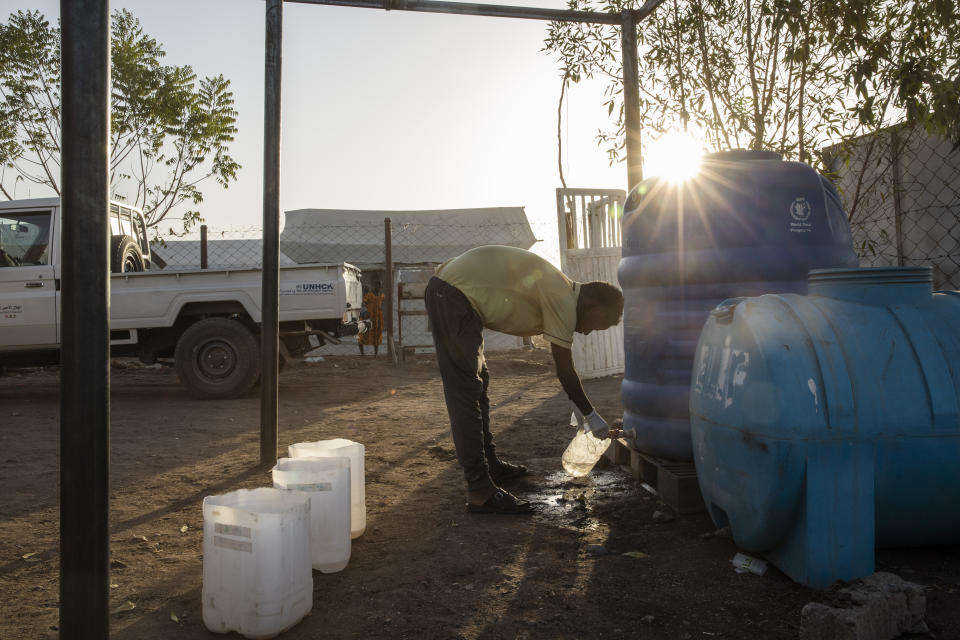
569, 379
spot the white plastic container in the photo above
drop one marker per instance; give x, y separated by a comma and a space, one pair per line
327, 482
256, 561
354, 451
584, 451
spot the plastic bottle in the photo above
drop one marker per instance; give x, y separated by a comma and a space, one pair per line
583, 452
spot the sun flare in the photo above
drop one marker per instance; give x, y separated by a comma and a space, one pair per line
675, 156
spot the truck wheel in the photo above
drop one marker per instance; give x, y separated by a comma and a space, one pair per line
125, 255
217, 358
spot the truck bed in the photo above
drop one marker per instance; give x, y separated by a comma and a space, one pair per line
307, 292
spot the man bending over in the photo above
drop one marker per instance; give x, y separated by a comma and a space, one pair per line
519, 293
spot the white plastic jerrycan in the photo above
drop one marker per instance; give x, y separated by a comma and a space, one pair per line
327, 482
353, 450
256, 561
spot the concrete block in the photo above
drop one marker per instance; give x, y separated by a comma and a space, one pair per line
645, 468
649, 471
881, 607
678, 487
636, 466
674, 482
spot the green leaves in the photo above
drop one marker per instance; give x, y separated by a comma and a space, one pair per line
30, 87
170, 131
794, 76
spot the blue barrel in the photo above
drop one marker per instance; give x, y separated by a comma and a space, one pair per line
747, 224
829, 424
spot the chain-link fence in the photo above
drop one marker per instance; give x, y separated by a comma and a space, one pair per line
901, 188
362, 245
416, 247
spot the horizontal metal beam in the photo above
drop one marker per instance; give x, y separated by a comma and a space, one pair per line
490, 10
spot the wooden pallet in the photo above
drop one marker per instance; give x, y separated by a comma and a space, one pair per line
673, 482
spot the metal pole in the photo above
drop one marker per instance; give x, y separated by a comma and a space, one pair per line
388, 285
270, 304
402, 356
631, 100
203, 246
85, 321
897, 194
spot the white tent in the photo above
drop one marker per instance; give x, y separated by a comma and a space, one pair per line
419, 237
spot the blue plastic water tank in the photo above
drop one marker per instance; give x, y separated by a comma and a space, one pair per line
747, 224
829, 424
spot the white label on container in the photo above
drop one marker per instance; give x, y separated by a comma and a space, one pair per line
316, 486
236, 545
232, 530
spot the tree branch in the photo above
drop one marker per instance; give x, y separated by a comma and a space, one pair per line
757, 124
708, 73
563, 90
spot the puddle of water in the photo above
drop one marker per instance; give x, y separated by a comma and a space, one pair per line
563, 499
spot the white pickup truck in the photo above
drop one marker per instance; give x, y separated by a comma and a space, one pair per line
206, 321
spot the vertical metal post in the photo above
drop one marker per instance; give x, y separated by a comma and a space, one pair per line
897, 193
388, 284
631, 99
85, 321
203, 246
270, 304
563, 227
402, 356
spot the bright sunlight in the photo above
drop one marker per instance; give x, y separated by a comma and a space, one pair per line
675, 156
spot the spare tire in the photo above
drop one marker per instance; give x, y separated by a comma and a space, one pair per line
125, 255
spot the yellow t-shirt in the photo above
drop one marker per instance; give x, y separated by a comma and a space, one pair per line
516, 292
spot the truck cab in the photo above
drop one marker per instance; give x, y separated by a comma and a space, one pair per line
30, 267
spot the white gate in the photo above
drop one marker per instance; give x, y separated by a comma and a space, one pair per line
588, 221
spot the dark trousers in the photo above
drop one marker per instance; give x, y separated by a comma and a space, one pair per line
458, 338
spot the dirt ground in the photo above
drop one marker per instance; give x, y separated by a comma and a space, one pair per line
424, 568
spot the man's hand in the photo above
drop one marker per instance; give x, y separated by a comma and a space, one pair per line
597, 425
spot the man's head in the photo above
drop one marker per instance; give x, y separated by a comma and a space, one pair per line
599, 307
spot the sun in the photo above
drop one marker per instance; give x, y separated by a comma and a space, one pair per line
674, 156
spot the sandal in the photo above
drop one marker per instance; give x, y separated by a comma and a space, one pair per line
508, 471
502, 502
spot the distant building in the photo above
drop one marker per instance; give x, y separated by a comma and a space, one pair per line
419, 237
421, 240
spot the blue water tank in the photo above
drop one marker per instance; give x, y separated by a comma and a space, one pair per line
747, 224
829, 424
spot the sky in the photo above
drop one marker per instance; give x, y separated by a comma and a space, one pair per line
387, 110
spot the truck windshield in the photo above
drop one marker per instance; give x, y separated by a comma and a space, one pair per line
24, 236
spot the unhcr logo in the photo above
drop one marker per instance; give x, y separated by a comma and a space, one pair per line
308, 288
